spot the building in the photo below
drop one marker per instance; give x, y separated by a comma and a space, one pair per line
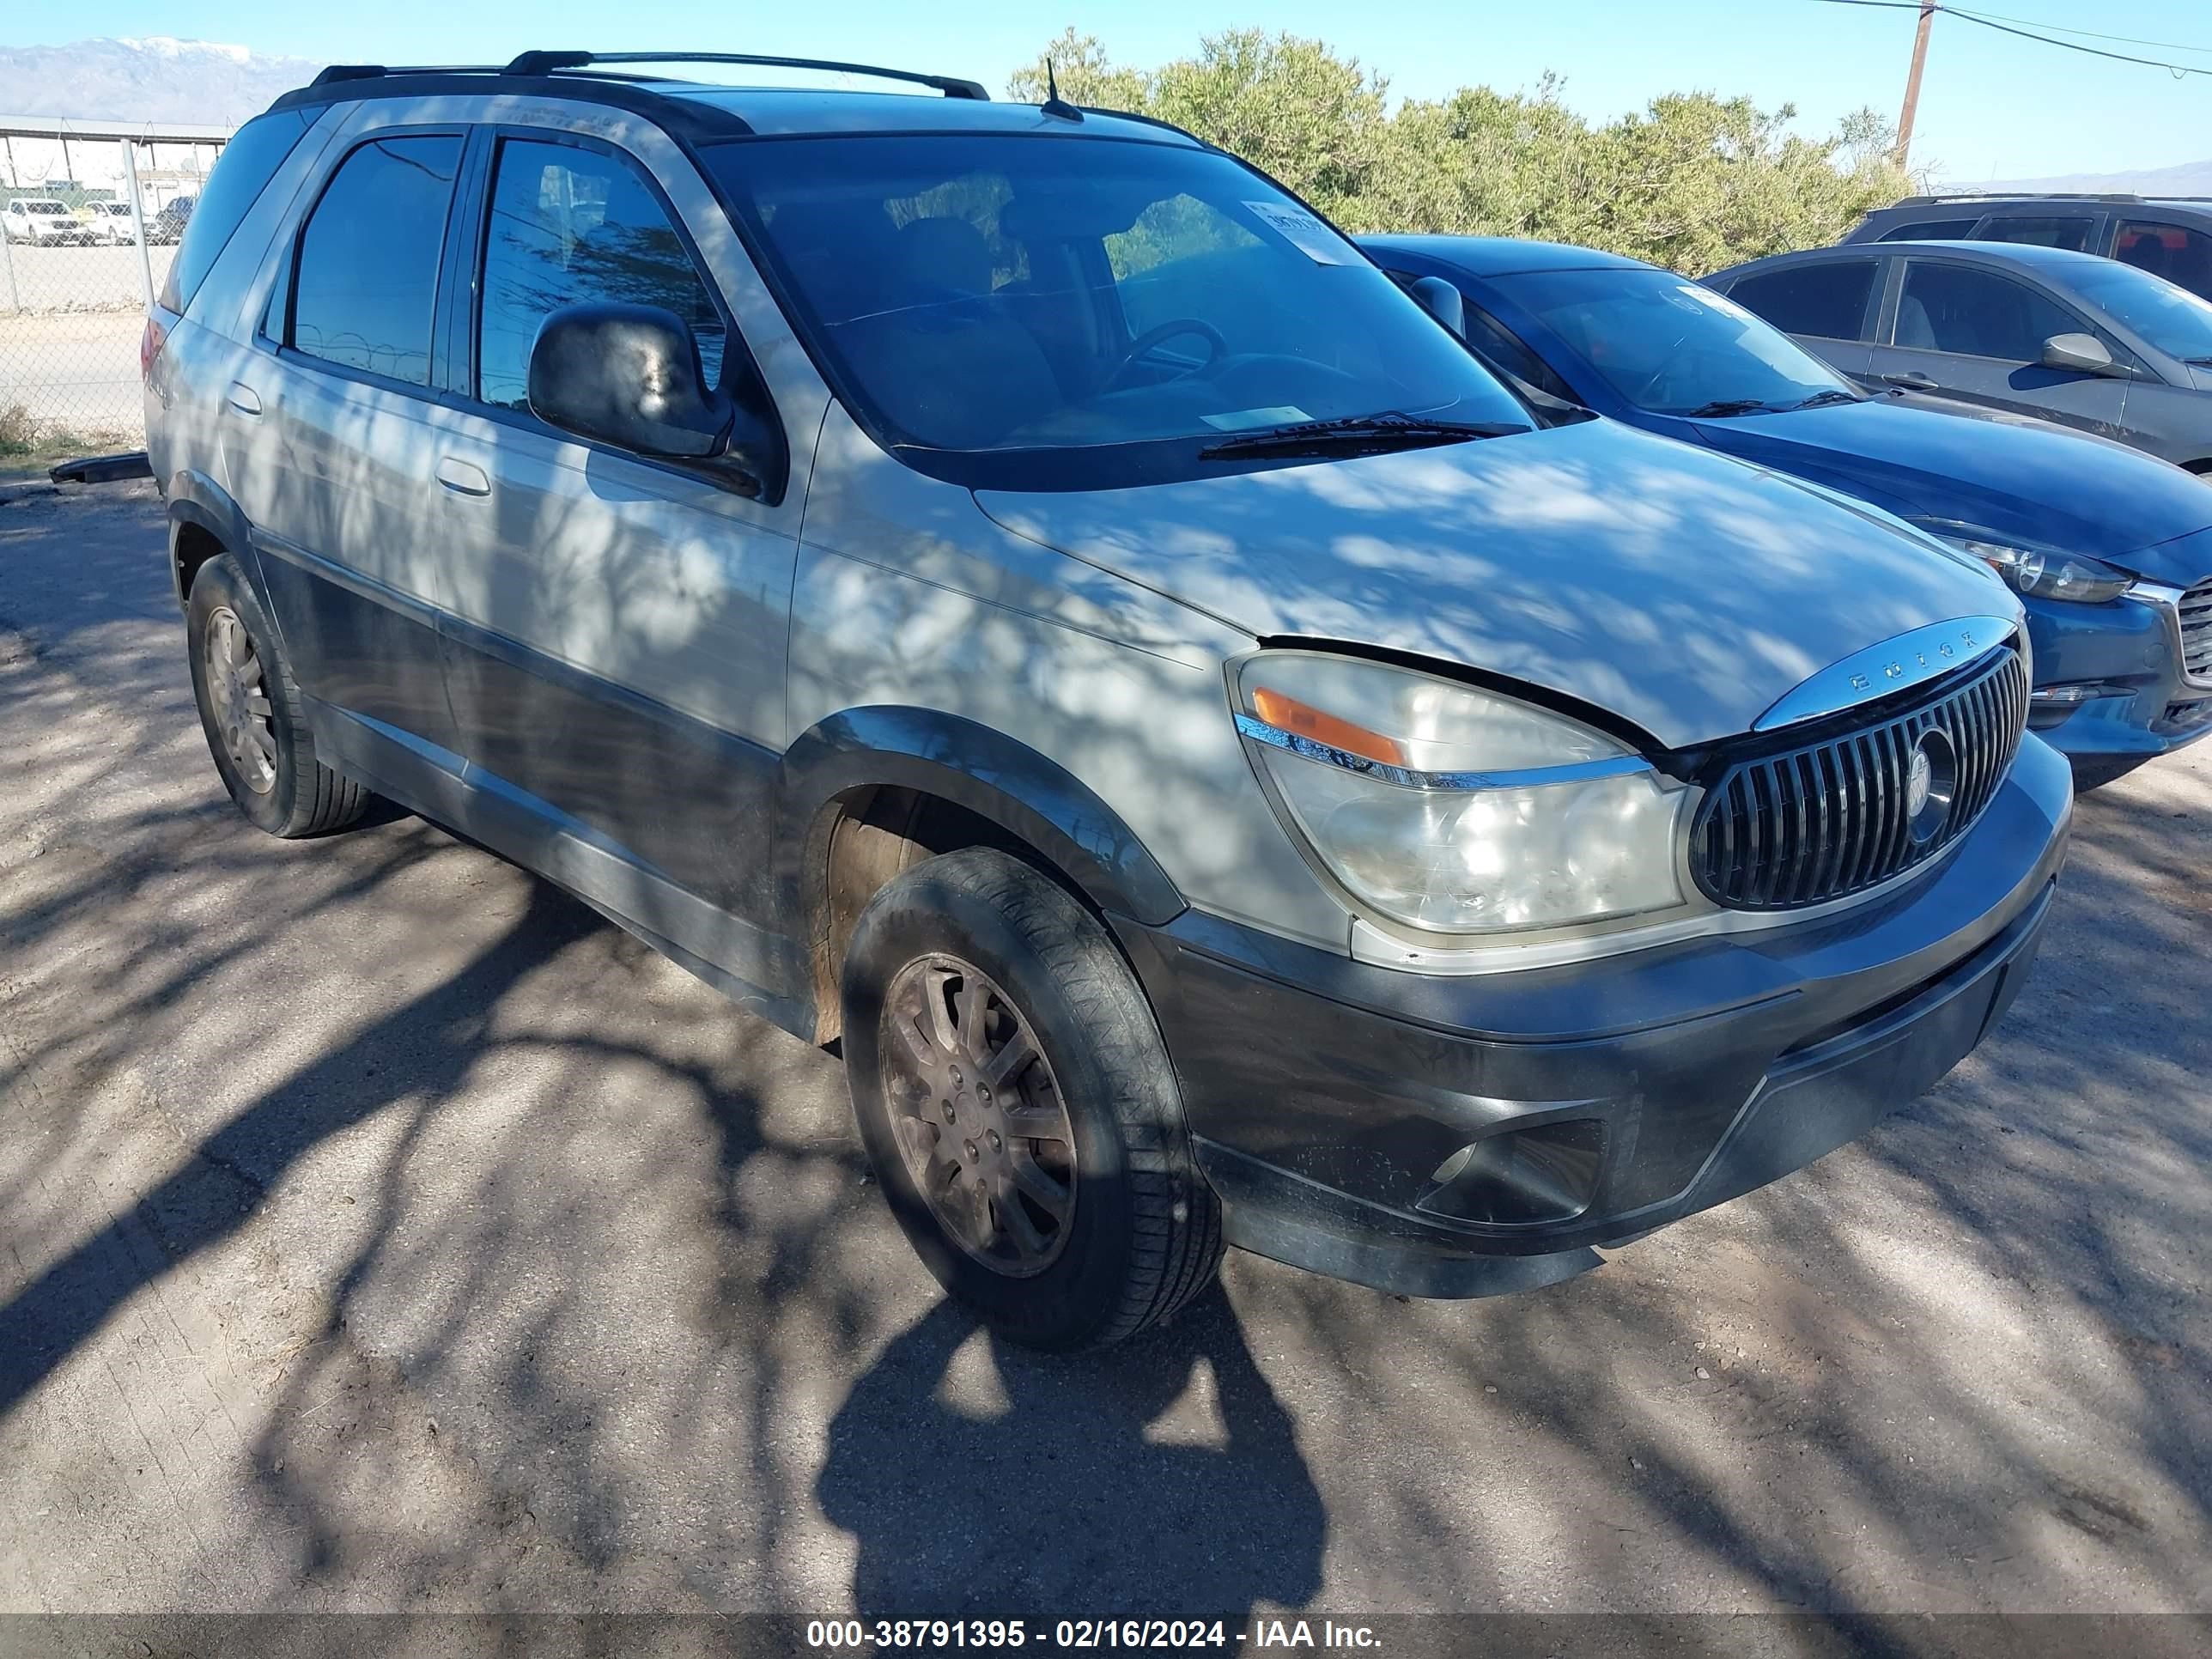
79, 161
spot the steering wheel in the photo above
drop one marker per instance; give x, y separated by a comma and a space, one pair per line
1217, 348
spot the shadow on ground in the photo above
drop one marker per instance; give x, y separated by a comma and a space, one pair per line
384, 1231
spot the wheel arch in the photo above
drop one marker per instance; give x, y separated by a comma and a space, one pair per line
204, 522
869, 792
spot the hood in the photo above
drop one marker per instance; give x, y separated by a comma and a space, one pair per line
2024, 477
1677, 588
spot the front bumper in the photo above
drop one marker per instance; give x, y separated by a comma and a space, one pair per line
1350, 1116
2127, 654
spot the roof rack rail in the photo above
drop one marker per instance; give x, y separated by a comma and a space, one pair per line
338, 72
548, 63
2040, 196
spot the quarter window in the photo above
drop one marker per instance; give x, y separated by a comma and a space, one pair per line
367, 287
1500, 344
1827, 300
241, 172
570, 226
1978, 313
2174, 252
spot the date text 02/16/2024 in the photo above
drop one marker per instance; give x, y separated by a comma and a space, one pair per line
835, 1634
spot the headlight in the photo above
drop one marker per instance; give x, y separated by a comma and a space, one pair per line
1455, 811
2045, 574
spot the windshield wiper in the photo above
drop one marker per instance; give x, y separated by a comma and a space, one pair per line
1355, 435
1722, 407
2200, 363
1832, 395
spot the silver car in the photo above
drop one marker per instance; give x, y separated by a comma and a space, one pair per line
2002, 328
1011, 590
114, 223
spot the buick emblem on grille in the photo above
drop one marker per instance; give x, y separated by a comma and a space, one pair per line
1931, 778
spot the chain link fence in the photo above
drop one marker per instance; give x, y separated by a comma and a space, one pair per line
77, 263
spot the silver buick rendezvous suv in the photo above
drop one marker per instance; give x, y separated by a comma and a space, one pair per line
1011, 590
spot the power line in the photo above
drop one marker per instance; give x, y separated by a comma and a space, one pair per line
2177, 70
2061, 28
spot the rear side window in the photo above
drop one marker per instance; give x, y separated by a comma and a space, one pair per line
570, 225
1978, 312
1827, 300
2071, 231
2177, 252
241, 172
367, 290
1930, 230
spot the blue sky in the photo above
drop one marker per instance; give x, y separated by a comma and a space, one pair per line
1991, 106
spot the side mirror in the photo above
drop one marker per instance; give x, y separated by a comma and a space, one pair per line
1442, 301
2084, 353
627, 375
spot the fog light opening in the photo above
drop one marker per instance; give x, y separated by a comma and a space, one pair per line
2082, 691
1547, 1172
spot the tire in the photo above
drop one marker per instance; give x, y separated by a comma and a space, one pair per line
286, 791
1141, 1235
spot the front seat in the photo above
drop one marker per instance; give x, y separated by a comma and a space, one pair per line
1913, 328
948, 358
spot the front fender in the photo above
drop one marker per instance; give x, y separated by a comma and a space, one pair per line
983, 771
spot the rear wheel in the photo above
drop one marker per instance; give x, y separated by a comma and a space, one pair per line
1019, 1106
251, 711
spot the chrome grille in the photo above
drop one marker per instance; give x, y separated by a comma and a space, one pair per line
2196, 632
1828, 819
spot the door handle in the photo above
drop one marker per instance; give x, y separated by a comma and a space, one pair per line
463, 478
1913, 378
243, 398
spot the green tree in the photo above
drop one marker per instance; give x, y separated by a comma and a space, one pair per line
1695, 181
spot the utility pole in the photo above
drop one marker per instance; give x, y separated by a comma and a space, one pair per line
1928, 8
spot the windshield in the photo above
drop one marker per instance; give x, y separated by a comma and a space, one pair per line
1665, 345
987, 297
46, 207
2170, 317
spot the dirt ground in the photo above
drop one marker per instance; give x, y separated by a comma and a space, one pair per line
381, 1231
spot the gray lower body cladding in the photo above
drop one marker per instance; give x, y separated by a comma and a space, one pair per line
1463, 1137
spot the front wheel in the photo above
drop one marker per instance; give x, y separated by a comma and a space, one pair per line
1019, 1107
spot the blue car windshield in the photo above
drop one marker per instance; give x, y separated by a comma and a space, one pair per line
985, 295
1665, 345
2170, 317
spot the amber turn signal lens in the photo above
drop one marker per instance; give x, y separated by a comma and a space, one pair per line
1288, 714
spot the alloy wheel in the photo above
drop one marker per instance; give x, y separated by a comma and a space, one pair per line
978, 1116
240, 693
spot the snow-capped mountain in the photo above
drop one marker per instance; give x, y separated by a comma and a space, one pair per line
156, 80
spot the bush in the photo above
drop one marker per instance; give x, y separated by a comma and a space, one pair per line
1694, 183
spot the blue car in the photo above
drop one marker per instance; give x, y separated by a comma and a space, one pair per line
2111, 549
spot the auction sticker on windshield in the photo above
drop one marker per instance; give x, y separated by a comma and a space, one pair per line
1244, 419
1305, 232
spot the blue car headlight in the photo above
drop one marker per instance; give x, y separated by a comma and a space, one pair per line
2039, 573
